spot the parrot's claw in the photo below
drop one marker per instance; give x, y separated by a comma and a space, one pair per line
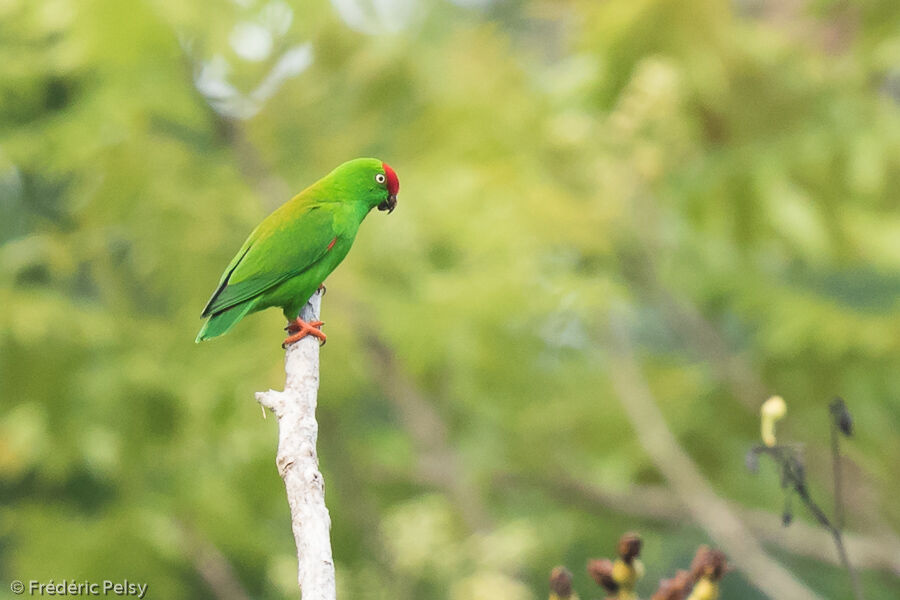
299, 329
322, 288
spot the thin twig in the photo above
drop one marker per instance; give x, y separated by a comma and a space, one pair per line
836, 470
792, 474
840, 423
838, 410
838, 537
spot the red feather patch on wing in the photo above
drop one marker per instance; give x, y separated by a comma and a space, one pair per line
331, 245
393, 184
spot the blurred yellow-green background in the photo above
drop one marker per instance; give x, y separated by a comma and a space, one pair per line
622, 225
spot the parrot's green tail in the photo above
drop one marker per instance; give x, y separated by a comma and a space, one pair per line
220, 323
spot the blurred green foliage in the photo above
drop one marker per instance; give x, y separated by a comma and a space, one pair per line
560, 161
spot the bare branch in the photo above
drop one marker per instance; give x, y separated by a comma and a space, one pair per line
298, 462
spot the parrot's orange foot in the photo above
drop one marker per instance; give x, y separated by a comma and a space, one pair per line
322, 288
299, 329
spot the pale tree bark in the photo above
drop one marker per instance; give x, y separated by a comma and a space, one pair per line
298, 462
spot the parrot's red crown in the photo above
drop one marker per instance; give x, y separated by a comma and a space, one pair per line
393, 184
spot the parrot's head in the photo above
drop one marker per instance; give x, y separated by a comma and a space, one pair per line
388, 178
367, 180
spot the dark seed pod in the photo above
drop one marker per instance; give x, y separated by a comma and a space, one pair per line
841, 416
600, 570
629, 547
561, 582
708, 563
676, 588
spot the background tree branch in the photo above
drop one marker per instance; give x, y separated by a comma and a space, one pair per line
656, 502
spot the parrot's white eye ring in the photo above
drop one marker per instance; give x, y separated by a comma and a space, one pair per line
380, 178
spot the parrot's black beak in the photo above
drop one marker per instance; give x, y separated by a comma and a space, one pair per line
390, 204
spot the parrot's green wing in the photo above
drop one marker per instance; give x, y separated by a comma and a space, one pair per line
288, 242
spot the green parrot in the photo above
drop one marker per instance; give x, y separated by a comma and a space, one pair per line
289, 255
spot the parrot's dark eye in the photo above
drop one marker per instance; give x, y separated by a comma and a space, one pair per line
380, 178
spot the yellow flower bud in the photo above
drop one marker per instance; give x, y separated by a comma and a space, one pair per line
771, 412
705, 589
638, 568
627, 575
561, 584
